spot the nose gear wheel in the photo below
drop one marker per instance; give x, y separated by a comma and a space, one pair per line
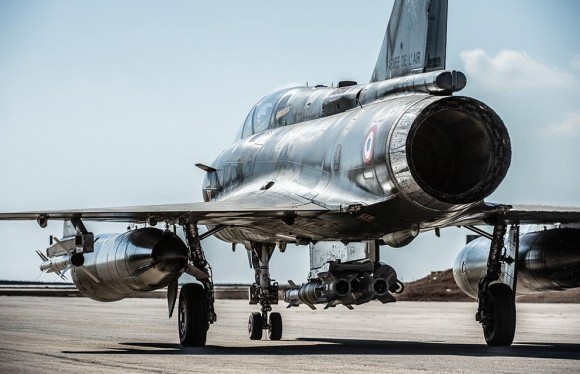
264, 292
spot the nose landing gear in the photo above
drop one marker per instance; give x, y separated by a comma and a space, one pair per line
265, 292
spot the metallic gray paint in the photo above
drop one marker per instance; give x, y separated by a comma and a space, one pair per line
547, 260
322, 161
139, 260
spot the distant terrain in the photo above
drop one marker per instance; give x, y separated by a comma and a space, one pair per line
437, 286
440, 286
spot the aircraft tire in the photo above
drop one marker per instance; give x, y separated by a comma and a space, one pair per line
192, 316
275, 330
255, 326
501, 329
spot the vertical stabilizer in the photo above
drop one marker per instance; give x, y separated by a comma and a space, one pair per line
415, 40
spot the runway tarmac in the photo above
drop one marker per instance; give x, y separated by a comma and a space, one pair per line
40, 334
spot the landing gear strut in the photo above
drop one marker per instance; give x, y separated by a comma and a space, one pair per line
496, 301
196, 301
265, 292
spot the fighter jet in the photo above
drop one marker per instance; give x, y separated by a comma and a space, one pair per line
342, 170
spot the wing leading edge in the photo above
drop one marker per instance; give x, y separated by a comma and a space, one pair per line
254, 207
242, 209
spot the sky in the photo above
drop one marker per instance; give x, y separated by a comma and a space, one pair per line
111, 103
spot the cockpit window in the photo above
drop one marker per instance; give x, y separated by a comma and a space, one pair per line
282, 110
260, 117
247, 129
263, 112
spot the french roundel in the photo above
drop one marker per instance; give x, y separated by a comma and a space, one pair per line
369, 145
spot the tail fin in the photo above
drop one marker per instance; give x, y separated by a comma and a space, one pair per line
415, 40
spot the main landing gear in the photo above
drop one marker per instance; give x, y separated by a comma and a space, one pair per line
496, 297
265, 292
196, 301
192, 315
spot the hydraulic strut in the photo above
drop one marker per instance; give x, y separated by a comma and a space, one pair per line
493, 272
264, 291
197, 260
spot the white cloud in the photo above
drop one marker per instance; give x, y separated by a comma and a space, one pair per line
569, 127
513, 70
575, 61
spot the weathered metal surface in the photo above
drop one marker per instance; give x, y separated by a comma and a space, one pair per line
135, 261
546, 260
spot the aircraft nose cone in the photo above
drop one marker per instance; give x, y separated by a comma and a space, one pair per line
170, 254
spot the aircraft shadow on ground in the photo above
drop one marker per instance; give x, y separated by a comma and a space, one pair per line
328, 346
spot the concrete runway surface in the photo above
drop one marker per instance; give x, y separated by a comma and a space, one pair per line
63, 335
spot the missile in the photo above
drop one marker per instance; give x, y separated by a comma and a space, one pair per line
345, 288
317, 292
62, 263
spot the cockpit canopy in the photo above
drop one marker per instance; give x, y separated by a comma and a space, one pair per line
261, 114
269, 113
294, 105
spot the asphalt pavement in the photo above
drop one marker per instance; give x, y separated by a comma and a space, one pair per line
65, 335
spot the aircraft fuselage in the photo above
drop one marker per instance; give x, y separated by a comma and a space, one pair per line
425, 157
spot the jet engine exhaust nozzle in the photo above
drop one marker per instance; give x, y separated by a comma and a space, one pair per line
450, 150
